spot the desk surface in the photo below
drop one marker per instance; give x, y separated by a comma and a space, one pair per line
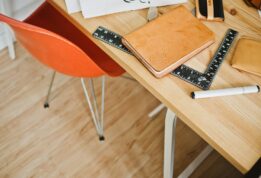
231, 125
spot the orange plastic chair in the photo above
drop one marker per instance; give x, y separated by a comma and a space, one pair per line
58, 44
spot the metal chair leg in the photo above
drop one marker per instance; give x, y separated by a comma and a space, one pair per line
94, 98
46, 103
102, 103
96, 116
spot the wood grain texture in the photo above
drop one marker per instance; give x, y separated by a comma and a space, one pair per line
61, 142
232, 124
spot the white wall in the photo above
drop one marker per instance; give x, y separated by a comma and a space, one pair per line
2, 40
18, 9
21, 9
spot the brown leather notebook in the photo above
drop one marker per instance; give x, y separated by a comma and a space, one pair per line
170, 40
247, 56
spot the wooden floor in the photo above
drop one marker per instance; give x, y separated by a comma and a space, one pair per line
61, 141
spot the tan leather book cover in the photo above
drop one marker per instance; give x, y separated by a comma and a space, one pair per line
170, 40
247, 56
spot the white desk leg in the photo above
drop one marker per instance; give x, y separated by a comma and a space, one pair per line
156, 111
196, 162
169, 144
169, 150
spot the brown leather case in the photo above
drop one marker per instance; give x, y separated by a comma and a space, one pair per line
254, 3
165, 43
257, 3
210, 10
247, 56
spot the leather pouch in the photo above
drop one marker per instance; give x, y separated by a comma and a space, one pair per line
168, 41
211, 10
247, 56
254, 3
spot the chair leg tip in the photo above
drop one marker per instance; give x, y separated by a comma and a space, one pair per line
101, 138
46, 105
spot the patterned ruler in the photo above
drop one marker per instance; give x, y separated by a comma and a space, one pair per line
111, 38
201, 80
204, 80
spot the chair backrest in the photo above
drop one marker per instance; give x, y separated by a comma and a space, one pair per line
53, 50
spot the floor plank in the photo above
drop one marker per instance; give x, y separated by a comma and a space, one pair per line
61, 141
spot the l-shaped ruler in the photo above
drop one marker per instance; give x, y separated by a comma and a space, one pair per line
199, 79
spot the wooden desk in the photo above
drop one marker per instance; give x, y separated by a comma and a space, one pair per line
231, 125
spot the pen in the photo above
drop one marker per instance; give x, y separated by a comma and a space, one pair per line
225, 92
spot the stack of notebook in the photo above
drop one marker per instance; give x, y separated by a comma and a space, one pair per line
165, 43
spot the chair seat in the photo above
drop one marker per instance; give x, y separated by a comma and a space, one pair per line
49, 18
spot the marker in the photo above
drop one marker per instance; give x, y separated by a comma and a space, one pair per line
225, 92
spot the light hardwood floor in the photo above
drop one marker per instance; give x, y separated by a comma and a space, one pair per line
61, 141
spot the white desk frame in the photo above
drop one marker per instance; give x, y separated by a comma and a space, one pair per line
8, 33
169, 149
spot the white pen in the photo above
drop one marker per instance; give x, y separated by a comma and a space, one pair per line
225, 92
